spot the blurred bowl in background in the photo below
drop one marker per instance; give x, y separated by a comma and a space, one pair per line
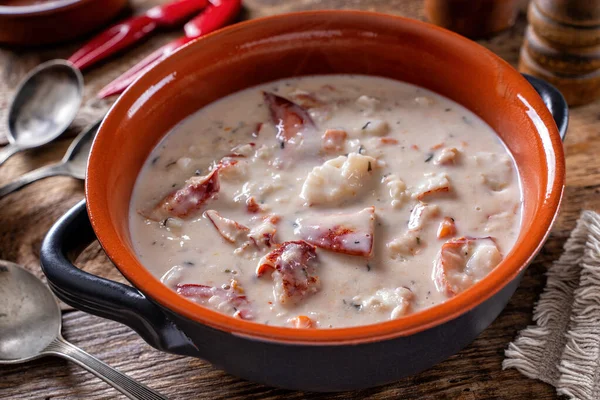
38, 22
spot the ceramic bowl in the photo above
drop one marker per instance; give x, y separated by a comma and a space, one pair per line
31, 23
283, 46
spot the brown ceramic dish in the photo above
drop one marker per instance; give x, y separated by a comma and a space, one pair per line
258, 51
28, 22
474, 19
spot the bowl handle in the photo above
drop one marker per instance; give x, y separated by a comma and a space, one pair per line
99, 296
555, 102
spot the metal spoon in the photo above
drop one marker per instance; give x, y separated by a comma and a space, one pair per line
30, 324
73, 163
45, 105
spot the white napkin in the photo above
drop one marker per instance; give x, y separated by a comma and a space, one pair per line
563, 347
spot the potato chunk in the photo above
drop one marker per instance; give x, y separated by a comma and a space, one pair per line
338, 179
397, 190
496, 171
408, 244
433, 183
396, 301
448, 156
501, 222
421, 214
375, 127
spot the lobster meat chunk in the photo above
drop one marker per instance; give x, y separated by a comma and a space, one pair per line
196, 191
463, 262
191, 197
263, 234
289, 118
228, 300
293, 265
421, 214
342, 233
231, 230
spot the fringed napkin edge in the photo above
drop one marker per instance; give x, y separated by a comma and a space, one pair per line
563, 347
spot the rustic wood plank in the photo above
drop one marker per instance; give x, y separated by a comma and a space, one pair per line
474, 373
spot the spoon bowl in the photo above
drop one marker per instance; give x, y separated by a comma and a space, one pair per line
73, 163
78, 153
29, 314
30, 324
45, 105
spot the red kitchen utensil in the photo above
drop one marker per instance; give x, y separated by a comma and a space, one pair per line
216, 15
132, 30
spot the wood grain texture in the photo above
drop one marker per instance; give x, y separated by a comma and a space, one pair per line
25, 216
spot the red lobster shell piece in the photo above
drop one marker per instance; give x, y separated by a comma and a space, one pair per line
342, 233
196, 191
294, 271
231, 230
219, 298
288, 117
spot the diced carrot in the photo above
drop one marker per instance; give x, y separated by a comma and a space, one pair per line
388, 140
236, 287
302, 322
273, 218
447, 228
263, 268
414, 147
252, 206
307, 100
334, 140
437, 146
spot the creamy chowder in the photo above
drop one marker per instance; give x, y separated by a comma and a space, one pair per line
326, 201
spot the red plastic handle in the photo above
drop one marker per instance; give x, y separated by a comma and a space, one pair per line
132, 30
124, 80
216, 15
175, 12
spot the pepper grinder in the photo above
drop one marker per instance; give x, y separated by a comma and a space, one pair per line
562, 46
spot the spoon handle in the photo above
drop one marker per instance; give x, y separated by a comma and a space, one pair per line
7, 151
24, 180
130, 388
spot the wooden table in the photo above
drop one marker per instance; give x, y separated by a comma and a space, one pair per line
474, 373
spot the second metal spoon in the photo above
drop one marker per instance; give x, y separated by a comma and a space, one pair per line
73, 163
45, 105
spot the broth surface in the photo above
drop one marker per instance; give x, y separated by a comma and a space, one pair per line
326, 201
